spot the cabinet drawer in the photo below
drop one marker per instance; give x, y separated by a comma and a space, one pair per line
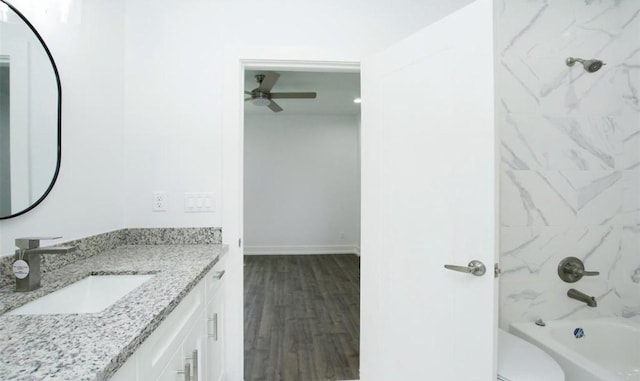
215, 277
159, 347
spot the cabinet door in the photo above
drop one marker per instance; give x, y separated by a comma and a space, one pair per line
215, 335
186, 363
174, 370
194, 350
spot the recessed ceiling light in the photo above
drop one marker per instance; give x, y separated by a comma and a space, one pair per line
357, 100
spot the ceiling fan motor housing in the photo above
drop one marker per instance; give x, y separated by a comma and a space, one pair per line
259, 98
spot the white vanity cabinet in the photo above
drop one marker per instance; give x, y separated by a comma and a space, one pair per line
188, 344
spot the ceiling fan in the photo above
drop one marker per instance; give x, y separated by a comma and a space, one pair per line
262, 95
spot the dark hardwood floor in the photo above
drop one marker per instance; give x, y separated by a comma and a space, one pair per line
301, 317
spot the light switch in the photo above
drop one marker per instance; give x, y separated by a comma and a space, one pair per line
202, 202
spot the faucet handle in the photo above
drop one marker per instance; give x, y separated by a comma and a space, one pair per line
32, 242
571, 269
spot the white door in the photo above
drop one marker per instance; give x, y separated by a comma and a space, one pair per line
429, 199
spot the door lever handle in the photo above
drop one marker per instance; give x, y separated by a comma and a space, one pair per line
475, 267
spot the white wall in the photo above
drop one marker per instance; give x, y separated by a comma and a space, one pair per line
570, 163
301, 189
87, 48
174, 75
169, 75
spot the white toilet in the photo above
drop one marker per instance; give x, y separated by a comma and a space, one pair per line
519, 360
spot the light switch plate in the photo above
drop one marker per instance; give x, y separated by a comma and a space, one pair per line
199, 202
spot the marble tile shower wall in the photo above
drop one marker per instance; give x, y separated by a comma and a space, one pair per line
570, 156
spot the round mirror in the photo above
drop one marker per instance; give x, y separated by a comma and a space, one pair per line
29, 115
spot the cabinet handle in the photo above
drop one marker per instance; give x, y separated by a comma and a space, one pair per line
218, 275
186, 372
194, 361
215, 327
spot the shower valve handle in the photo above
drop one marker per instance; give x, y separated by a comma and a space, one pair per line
571, 270
587, 273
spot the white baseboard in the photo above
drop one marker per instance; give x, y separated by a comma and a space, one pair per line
301, 250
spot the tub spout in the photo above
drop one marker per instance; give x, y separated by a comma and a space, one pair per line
577, 295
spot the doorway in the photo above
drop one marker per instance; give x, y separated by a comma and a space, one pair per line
301, 226
427, 194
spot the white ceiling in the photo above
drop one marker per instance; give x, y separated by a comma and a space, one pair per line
336, 92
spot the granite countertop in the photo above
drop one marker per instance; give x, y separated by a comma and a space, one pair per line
94, 346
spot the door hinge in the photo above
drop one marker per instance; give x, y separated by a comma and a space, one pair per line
496, 270
239, 242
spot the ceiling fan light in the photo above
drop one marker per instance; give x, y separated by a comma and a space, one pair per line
261, 101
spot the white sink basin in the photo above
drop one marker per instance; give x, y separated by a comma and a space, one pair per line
89, 295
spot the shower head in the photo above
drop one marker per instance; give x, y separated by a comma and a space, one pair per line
590, 66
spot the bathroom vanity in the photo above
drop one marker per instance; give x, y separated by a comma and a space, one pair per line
170, 324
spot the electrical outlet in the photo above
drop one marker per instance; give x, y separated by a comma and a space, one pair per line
159, 201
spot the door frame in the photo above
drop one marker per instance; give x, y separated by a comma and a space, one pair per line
236, 61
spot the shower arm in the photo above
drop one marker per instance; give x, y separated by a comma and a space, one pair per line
570, 61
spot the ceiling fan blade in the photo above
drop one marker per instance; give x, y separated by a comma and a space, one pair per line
248, 92
269, 80
247, 99
274, 107
293, 95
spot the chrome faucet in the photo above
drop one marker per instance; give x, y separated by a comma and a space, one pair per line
26, 267
577, 295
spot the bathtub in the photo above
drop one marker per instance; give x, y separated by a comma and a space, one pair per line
609, 349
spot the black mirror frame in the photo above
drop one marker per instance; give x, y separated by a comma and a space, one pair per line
59, 142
